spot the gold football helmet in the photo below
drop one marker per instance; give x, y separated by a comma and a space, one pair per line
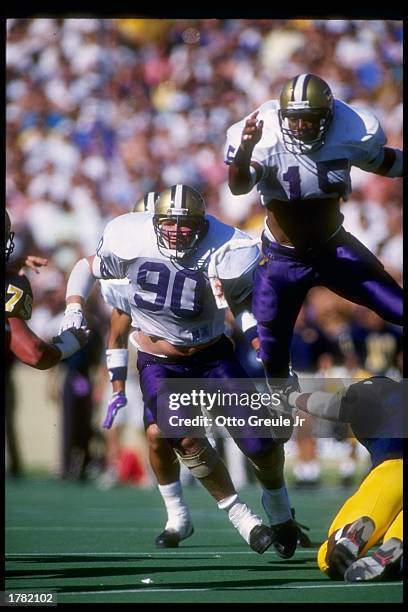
179, 220
9, 237
306, 109
146, 204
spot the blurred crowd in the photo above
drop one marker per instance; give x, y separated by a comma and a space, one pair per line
101, 111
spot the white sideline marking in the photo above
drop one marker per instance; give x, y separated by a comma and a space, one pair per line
237, 588
151, 554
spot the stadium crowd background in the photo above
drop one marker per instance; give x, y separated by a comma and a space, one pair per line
101, 111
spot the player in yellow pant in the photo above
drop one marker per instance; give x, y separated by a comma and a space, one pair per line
374, 410
379, 498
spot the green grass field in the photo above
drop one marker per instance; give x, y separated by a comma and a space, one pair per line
89, 545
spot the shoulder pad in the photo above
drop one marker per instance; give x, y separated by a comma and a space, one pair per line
19, 297
234, 258
125, 236
358, 124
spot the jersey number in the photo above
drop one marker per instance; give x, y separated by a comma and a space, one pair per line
185, 301
292, 176
16, 294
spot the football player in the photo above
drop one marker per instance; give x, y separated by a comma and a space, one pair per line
298, 151
20, 339
374, 409
170, 259
162, 457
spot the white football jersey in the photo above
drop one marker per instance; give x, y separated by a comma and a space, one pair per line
354, 138
115, 293
171, 299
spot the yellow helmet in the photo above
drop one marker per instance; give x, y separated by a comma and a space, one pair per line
9, 237
146, 204
306, 97
179, 220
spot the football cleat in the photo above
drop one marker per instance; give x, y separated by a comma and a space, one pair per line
260, 538
303, 539
346, 544
286, 537
170, 538
384, 564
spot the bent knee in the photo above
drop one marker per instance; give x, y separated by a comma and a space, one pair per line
155, 437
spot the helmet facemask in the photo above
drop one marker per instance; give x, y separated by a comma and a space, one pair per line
305, 98
179, 221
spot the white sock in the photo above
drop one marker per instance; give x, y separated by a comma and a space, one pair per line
240, 515
276, 505
178, 514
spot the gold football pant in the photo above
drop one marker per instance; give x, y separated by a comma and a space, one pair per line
378, 497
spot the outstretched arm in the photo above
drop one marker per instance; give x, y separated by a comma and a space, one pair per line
242, 173
319, 403
35, 352
387, 162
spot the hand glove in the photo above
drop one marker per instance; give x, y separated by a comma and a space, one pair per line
73, 317
117, 401
283, 388
70, 341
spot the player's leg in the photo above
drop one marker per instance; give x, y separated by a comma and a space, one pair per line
207, 466
166, 467
198, 455
256, 442
280, 288
363, 519
385, 563
349, 269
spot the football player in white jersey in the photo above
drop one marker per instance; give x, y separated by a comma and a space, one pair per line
298, 150
168, 258
162, 457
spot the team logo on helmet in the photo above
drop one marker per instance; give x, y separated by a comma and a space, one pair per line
9, 237
179, 221
306, 109
146, 204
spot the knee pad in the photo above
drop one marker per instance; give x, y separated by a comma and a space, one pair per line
202, 463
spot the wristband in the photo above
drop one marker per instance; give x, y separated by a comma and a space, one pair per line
117, 363
242, 158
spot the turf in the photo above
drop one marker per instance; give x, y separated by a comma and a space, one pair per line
89, 545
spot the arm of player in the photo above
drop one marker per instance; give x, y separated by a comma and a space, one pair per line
37, 353
79, 286
246, 321
386, 162
242, 173
117, 363
319, 403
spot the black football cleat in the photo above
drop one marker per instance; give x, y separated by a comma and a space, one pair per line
286, 537
170, 538
346, 544
384, 564
303, 539
261, 538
